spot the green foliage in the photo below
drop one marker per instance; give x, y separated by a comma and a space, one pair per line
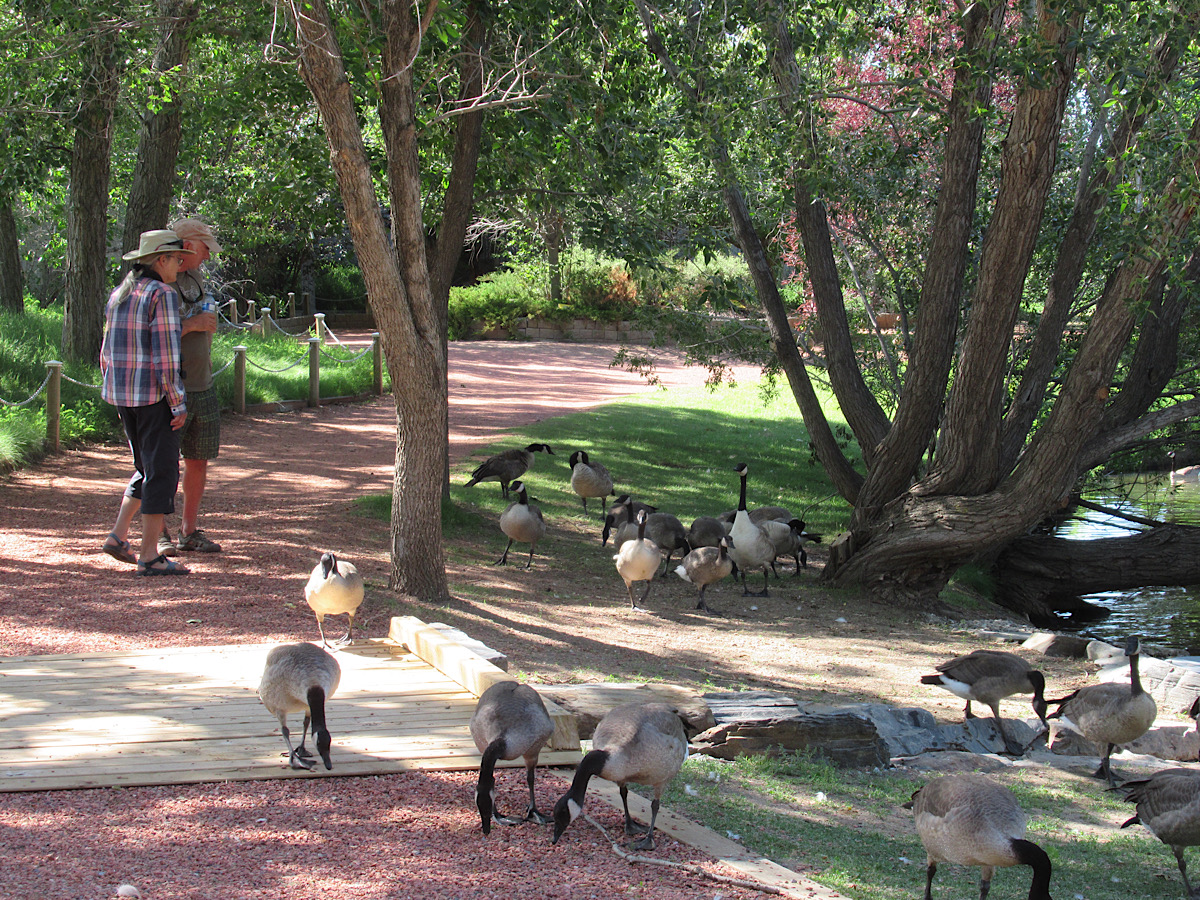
496, 301
340, 282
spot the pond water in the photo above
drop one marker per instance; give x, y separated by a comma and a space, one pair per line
1169, 616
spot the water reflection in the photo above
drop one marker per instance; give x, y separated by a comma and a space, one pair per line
1163, 615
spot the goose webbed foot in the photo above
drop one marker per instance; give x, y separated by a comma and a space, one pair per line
646, 843
505, 820
301, 761
632, 828
533, 814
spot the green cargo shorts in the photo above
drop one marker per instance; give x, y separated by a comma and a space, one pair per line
201, 438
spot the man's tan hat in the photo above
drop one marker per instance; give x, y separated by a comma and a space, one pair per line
196, 230
156, 243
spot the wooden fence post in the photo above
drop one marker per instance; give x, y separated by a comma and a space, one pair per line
314, 371
377, 360
53, 403
250, 305
239, 379
291, 310
319, 320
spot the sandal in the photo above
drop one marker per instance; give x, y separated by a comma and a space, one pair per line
120, 550
169, 567
198, 541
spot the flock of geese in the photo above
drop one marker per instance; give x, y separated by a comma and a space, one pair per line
738, 542
965, 819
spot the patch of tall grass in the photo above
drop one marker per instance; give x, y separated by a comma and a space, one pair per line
276, 370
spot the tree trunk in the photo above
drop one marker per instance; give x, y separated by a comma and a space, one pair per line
87, 201
398, 292
12, 285
158, 145
1040, 577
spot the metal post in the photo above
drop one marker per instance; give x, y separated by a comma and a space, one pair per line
314, 371
377, 359
53, 403
239, 379
319, 318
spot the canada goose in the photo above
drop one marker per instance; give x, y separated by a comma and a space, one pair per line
704, 566
510, 720
300, 678
643, 743
334, 587
760, 514
1168, 804
752, 548
623, 510
522, 522
1185, 474
507, 466
988, 676
638, 560
971, 820
706, 531
589, 479
793, 543
1110, 714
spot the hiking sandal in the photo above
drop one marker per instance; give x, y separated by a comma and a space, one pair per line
198, 542
169, 568
119, 550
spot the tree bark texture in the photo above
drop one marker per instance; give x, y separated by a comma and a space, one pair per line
87, 201
158, 145
12, 284
1040, 576
398, 292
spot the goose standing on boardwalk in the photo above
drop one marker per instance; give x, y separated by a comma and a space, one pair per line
333, 588
639, 743
507, 466
1110, 714
970, 820
589, 479
752, 547
1168, 804
522, 522
638, 560
510, 720
705, 566
988, 676
301, 678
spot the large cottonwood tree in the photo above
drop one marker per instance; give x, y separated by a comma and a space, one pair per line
991, 428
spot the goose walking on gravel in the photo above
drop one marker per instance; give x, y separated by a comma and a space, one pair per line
589, 479
522, 522
301, 678
637, 743
752, 547
705, 566
988, 676
1110, 714
510, 721
970, 820
1168, 804
638, 560
333, 588
507, 466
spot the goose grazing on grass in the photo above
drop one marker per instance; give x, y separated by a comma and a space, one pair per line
988, 676
510, 720
522, 522
970, 820
333, 588
589, 479
639, 743
752, 547
301, 678
1110, 714
623, 510
1168, 804
638, 560
705, 566
507, 466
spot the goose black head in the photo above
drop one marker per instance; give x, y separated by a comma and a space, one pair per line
328, 564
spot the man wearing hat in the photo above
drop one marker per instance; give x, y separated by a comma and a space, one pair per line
200, 440
139, 365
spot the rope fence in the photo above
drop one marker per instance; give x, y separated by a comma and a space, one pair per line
52, 384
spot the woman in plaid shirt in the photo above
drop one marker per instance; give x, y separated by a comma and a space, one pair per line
139, 361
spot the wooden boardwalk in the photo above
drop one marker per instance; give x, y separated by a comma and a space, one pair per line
187, 715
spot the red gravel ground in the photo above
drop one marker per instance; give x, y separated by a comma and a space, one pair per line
282, 487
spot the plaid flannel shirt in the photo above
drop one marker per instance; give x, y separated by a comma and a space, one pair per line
139, 358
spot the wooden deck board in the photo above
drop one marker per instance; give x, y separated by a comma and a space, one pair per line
189, 715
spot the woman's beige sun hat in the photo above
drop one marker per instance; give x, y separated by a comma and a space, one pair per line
156, 243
